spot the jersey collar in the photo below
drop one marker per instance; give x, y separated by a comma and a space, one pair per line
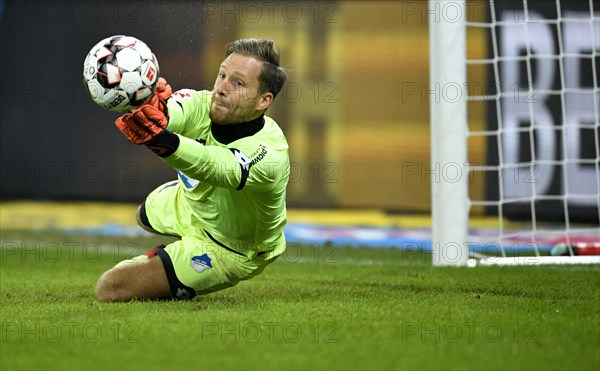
230, 133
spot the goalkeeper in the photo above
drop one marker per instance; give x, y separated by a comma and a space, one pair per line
228, 203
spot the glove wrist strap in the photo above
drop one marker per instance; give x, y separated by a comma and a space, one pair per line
164, 144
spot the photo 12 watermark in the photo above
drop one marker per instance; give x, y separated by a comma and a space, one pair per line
468, 332
71, 12
270, 11
270, 332
315, 253
70, 172
68, 332
54, 252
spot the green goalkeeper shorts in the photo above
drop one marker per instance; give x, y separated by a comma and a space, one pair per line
197, 263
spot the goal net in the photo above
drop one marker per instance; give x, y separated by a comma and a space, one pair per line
515, 131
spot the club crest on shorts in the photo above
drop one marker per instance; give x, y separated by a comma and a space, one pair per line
201, 262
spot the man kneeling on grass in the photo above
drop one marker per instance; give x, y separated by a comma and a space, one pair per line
228, 204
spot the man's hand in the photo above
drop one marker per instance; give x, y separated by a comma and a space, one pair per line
143, 124
161, 94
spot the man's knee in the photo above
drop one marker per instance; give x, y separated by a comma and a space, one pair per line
142, 218
111, 287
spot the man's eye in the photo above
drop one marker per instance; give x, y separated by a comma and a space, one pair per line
238, 83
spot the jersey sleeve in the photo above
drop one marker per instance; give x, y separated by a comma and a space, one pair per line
269, 163
187, 110
229, 167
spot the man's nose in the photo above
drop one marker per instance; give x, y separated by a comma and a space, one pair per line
221, 87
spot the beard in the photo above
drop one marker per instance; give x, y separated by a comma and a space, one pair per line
230, 115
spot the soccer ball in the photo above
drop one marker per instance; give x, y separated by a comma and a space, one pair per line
120, 73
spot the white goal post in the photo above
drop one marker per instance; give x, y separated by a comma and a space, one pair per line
450, 209
542, 162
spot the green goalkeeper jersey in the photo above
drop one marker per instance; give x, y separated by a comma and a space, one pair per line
233, 177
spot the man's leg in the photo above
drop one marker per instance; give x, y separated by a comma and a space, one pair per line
162, 207
142, 220
138, 278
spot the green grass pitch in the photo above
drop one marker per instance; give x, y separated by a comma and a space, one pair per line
318, 307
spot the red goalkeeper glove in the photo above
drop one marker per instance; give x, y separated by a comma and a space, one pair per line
143, 124
147, 125
140, 126
160, 96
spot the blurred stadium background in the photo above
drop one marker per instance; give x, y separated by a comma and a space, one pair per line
355, 108
350, 125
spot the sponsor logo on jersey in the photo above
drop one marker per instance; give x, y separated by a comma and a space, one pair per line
201, 262
259, 154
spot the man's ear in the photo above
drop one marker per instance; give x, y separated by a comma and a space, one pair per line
265, 101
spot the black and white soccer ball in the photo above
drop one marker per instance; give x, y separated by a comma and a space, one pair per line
120, 73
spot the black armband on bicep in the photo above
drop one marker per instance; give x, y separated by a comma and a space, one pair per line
164, 144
